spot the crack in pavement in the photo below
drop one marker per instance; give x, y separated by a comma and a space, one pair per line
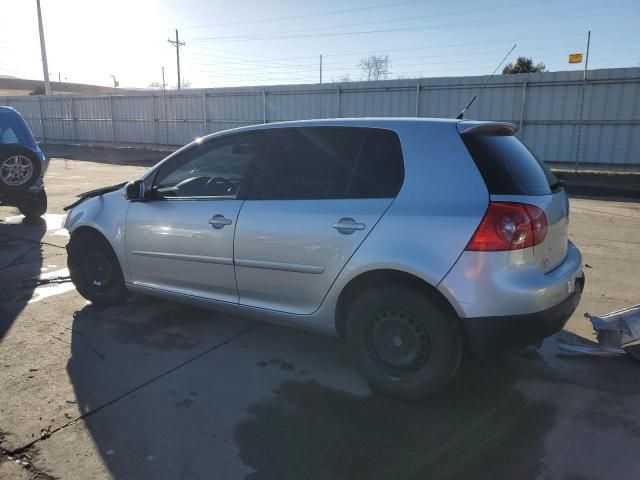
20, 259
24, 262
46, 433
39, 242
602, 212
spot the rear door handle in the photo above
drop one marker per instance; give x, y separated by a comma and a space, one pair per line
348, 225
219, 221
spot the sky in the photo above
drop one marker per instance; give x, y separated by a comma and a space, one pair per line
266, 43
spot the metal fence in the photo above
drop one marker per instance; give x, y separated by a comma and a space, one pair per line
565, 119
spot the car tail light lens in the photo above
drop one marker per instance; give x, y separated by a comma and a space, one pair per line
509, 226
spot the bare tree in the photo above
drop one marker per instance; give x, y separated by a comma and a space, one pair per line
183, 84
343, 78
155, 85
376, 67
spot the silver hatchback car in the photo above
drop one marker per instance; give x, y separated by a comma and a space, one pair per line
413, 239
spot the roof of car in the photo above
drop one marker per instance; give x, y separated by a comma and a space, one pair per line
361, 121
373, 122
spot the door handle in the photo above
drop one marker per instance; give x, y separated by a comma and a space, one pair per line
348, 225
219, 221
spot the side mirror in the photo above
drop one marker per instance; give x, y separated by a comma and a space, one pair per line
134, 190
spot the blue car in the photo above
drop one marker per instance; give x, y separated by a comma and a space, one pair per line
22, 166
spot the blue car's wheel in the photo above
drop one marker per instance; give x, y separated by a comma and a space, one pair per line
19, 168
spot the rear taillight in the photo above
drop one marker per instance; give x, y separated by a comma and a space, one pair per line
509, 226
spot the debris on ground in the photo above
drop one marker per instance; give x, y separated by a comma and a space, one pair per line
618, 334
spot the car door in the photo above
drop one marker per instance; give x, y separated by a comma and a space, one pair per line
317, 194
181, 239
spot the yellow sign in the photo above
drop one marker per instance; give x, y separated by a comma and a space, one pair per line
575, 58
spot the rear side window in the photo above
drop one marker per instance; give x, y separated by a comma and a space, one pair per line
508, 167
14, 130
379, 167
312, 163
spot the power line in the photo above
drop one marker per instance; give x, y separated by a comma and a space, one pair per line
294, 17
280, 36
242, 65
402, 19
385, 50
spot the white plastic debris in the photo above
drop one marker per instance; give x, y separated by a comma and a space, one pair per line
618, 334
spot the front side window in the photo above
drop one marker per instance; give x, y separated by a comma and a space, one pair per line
315, 163
217, 168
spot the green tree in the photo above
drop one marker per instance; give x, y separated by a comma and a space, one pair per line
524, 65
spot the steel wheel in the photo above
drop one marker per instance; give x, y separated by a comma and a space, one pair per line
95, 270
16, 170
398, 341
98, 270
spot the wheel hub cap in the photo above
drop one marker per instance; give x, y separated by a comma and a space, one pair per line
399, 341
97, 270
16, 170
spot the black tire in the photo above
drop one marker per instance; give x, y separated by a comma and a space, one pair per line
95, 270
33, 206
405, 343
12, 156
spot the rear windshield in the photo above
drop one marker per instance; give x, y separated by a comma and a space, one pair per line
508, 167
14, 130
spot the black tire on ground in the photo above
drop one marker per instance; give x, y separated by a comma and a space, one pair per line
405, 343
33, 206
95, 270
16, 161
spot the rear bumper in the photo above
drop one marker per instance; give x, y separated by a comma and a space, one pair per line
503, 334
497, 284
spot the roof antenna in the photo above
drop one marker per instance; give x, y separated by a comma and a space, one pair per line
461, 114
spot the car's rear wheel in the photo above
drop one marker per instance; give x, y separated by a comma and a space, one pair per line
33, 206
19, 168
95, 270
405, 343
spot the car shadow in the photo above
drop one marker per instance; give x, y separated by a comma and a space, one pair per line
166, 394
21, 259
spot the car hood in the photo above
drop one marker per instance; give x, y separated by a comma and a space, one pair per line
94, 193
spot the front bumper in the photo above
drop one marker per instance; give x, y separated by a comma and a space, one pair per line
503, 334
14, 199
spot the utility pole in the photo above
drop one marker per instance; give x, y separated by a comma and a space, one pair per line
581, 111
177, 43
164, 85
320, 68
43, 51
586, 63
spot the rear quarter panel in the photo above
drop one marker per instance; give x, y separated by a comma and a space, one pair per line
439, 207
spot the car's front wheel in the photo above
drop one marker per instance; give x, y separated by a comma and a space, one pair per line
406, 343
95, 270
